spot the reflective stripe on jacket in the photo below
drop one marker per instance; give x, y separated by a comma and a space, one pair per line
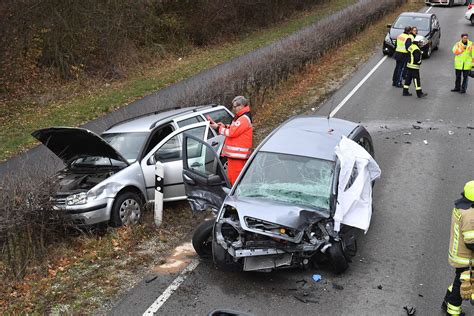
463, 55
415, 57
462, 233
238, 136
401, 43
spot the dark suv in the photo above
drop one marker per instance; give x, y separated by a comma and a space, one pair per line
428, 27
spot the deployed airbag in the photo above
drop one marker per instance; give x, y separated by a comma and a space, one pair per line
354, 198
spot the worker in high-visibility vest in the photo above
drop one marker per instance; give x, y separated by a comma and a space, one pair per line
413, 68
461, 251
238, 138
463, 54
401, 56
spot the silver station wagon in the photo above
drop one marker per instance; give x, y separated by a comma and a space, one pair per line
108, 178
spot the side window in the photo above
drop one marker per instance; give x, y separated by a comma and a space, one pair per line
189, 121
171, 150
354, 175
220, 116
201, 159
365, 143
158, 135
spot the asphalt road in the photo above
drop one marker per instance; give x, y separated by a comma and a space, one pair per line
403, 258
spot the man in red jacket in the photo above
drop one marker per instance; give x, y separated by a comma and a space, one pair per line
238, 138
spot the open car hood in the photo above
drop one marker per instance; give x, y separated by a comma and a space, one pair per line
70, 143
292, 216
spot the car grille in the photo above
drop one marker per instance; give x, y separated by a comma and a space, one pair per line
59, 200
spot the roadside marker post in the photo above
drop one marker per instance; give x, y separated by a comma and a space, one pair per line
159, 181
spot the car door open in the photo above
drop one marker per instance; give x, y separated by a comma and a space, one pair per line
205, 181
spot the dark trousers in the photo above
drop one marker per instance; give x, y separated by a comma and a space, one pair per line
465, 75
399, 72
453, 294
413, 74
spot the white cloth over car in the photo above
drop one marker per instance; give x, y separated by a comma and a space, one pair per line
354, 203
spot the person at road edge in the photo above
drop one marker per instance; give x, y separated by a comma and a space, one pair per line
463, 54
461, 247
413, 68
401, 56
238, 137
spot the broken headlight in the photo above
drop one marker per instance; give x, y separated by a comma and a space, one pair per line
77, 199
267, 227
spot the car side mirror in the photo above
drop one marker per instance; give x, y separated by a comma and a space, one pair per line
214, 180
151, 160
389, 25
226, 190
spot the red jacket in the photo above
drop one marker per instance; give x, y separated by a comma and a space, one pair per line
238, 136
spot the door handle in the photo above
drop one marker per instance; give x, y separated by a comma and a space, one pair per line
214, 144
196, 164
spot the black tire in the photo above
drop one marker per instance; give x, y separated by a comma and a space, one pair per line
428, 52
127, 209
337, 258
222, 259
450, 3
202, 239
472, 19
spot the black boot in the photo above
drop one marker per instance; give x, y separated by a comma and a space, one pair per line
406, 93
421, 94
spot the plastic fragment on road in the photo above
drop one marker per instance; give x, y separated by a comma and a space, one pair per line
425, 142
358, 170
450, 132
317, 277
337, 286
411, 310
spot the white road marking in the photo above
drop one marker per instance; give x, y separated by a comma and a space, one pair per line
428, 9
340, 105
171, 288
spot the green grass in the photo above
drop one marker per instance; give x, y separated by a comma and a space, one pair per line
19, 119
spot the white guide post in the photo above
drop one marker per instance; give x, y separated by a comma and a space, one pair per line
159, 174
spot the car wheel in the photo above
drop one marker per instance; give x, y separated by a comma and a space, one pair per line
202, 239
337, 258
428, 52
127, 209
450, 3
222, 259
472, 19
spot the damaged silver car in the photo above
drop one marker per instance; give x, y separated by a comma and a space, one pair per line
280, 212
109, 178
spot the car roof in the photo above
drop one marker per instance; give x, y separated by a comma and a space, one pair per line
417, 14
147, 122
309, 136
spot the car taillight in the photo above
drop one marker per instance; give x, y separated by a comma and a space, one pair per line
469, 7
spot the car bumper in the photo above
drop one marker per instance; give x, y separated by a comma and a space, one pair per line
89, 213
436, 2
388, 48
467, 16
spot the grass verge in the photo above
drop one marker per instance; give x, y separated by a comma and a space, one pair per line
87, 272
76, 103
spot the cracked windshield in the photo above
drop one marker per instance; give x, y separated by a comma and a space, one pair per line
287, 178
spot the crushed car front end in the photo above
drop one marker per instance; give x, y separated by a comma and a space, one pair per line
258, 235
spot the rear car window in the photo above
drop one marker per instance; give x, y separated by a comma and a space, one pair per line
189, 121
220, 116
